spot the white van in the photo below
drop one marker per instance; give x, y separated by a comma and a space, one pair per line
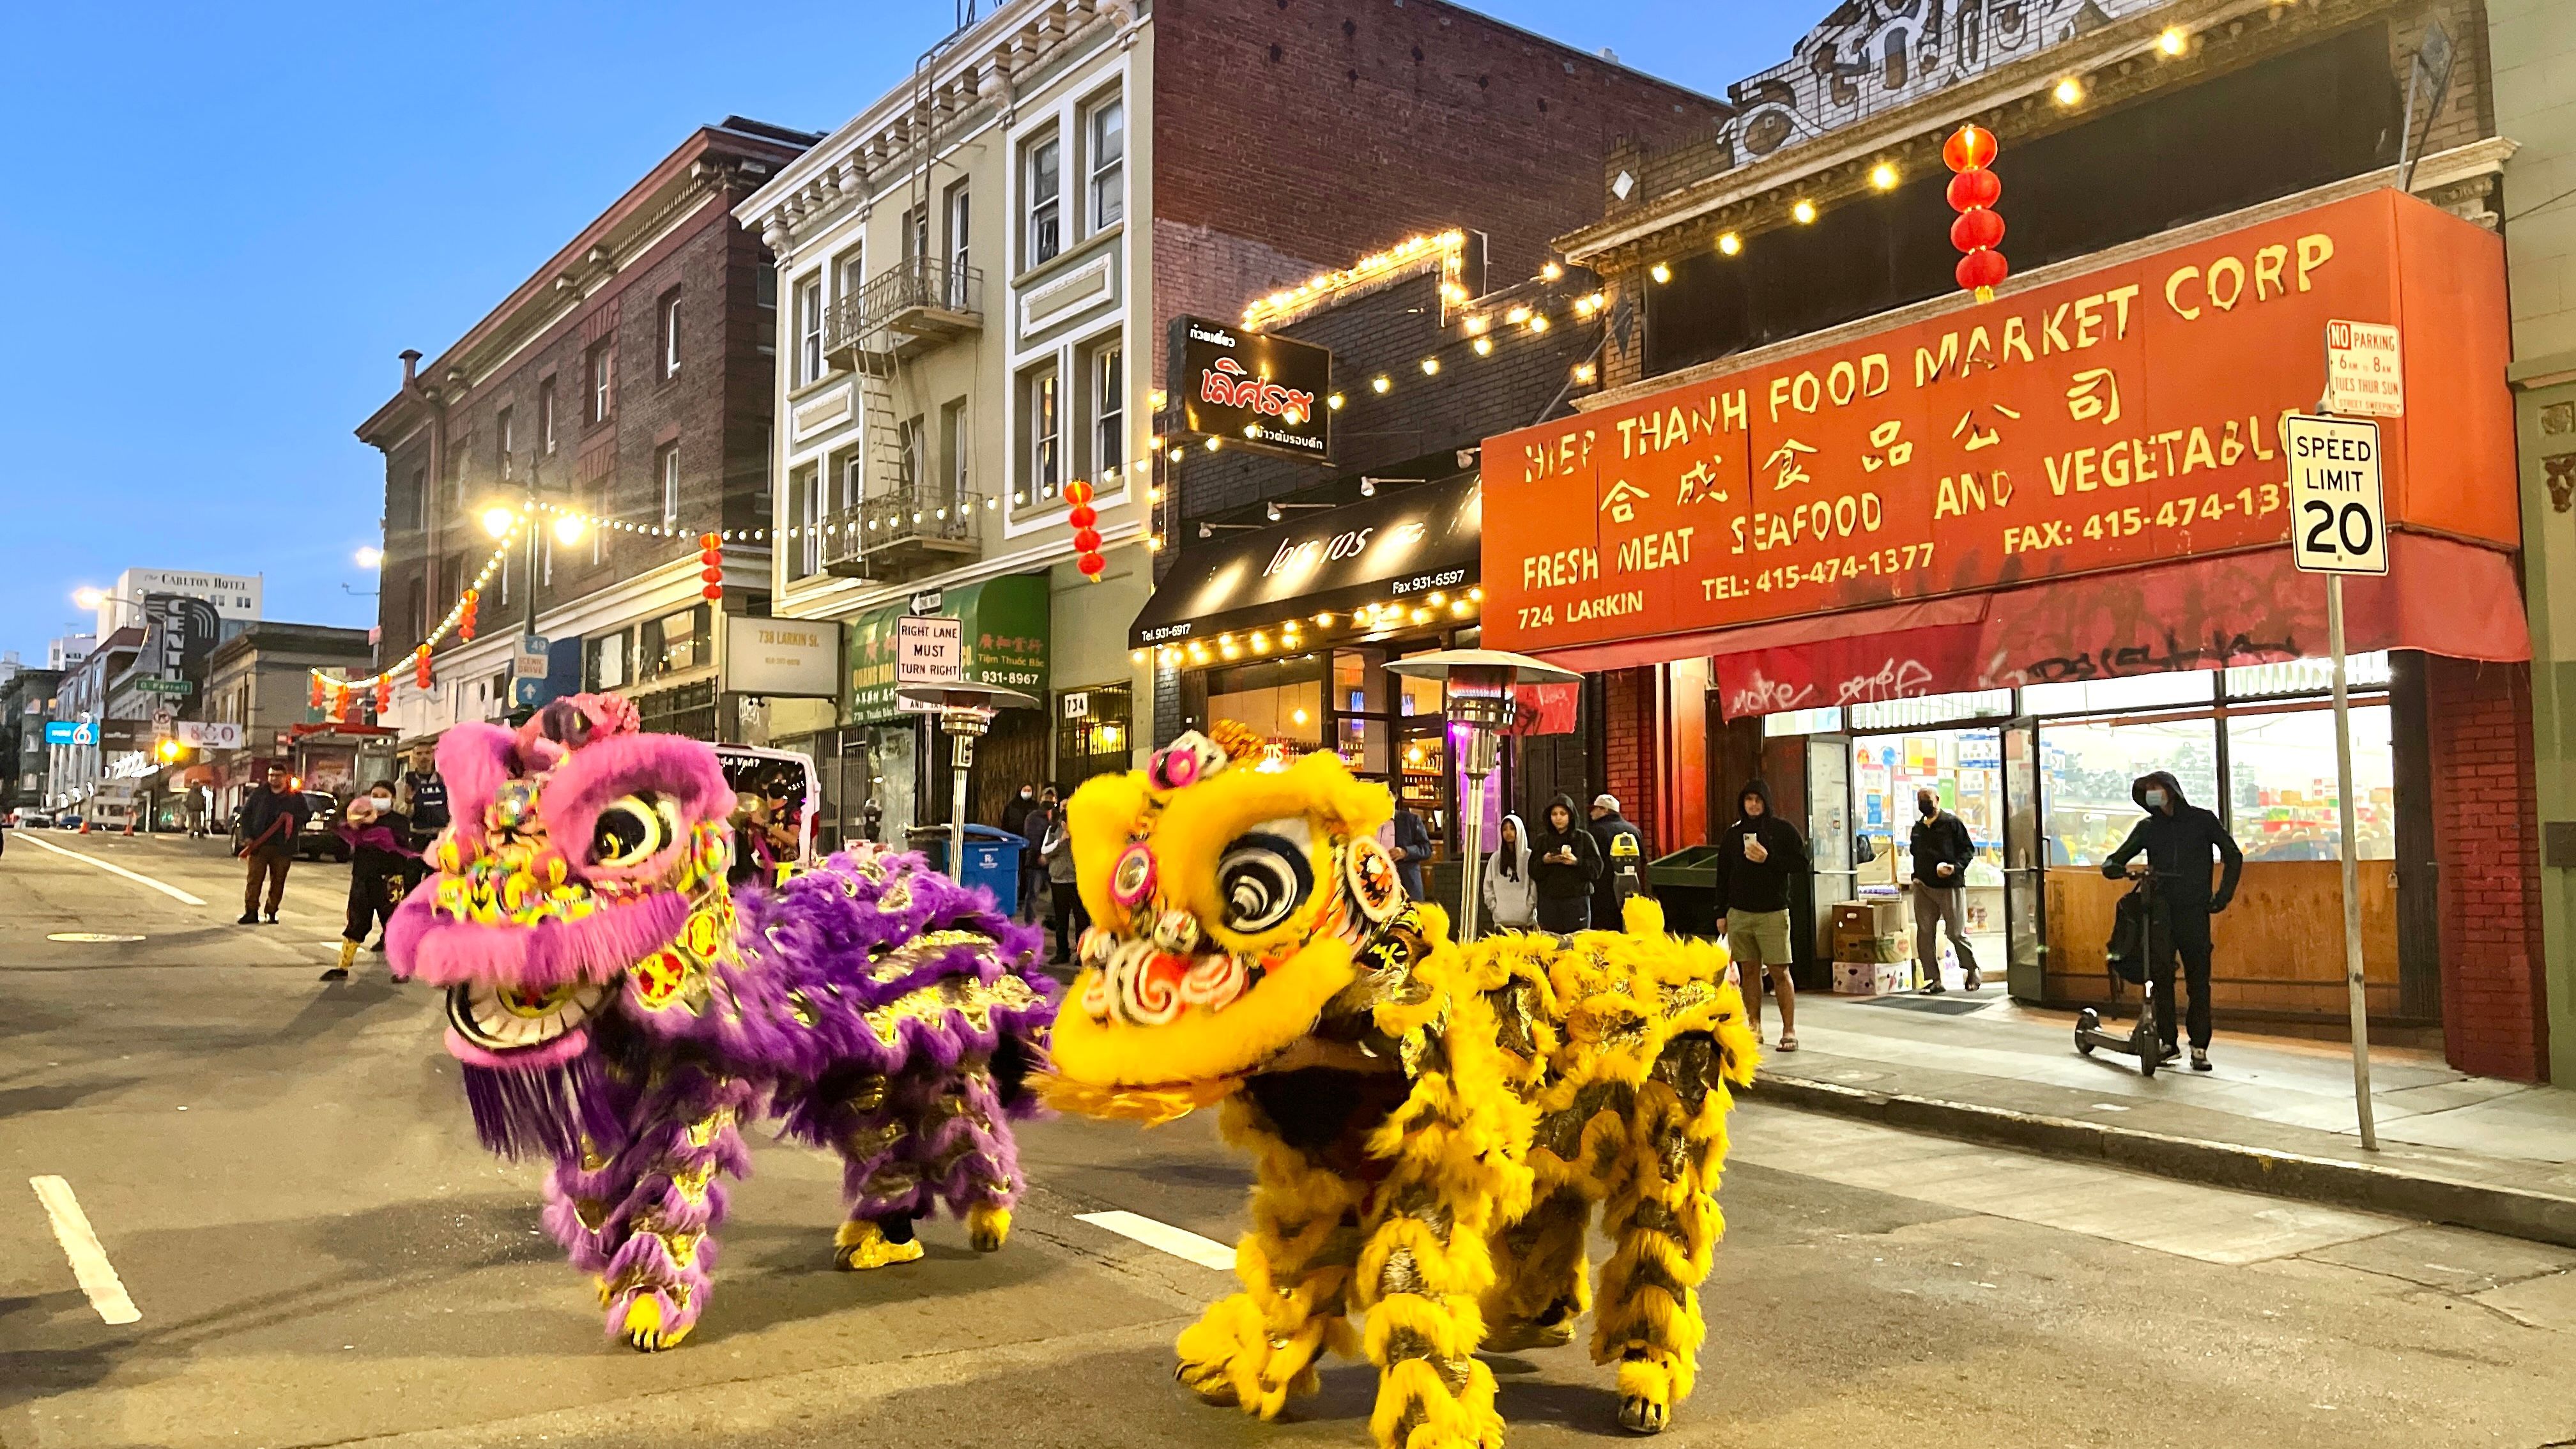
778, 772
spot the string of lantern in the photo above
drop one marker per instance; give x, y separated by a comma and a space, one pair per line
332, 691
1288, 636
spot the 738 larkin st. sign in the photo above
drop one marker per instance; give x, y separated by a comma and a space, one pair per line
2119, 417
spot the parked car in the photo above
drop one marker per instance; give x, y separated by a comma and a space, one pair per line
30, 815
68, 820
319, 840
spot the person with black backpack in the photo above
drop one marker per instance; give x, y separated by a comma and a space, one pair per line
2173, 846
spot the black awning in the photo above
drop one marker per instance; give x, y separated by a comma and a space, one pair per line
1411, 539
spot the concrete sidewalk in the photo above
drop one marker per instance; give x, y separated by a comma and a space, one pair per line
2276, 1115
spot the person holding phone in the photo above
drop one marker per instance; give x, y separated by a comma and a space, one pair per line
1565, 861
1758, 861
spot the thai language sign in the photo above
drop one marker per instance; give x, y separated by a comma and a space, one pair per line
1253, 388
2123, 416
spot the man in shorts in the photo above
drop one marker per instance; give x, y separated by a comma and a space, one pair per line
1759, 859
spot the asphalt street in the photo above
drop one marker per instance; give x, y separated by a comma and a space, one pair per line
281, 1180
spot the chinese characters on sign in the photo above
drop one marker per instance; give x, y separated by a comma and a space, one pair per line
2127, 416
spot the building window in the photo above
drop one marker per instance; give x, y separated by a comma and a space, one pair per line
960, 232
849, 274
671, 333
805, 521
546, 415
672, 644
603, 379
1108, 414
952, 447
666, 473
420, 498
507, 426
1108, 164
908, 450
1041, 417
850, 467
608, 661
916, 236
809, 330
1046, 182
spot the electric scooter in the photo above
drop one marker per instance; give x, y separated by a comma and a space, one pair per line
2138, 934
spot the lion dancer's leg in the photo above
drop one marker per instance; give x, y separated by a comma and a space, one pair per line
1664, 1219
872, 1126
1542, 1282
969, 1158
641, 1214
1255, 1348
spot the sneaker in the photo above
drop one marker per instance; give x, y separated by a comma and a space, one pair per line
1934, 987
2171, 1053
379, 946
269, 920
336, 973
1976, 980
247, 919
2200, 1059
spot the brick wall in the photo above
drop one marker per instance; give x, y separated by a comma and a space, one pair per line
1631, 734
2485, 848
1296, 135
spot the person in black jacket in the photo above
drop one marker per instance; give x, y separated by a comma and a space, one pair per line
1759, 860
270, 820
2173, 845
1412, 848
1564, 862
1942, 851
1623, 861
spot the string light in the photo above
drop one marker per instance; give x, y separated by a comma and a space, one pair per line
1728, 243
1883, 176
1660, 272
1334, 402
1448, 246
1484, 346
1804, 212
1538, 322
1431, 367
2069, 91
1380, 383
1583, 372
2173, 41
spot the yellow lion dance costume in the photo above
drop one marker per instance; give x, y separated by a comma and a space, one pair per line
1430, 1125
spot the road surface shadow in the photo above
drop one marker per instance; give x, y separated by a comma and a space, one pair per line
26, 1101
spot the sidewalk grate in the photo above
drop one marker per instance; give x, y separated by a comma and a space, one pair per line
1936, 1005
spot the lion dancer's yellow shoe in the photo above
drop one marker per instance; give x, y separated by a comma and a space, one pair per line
988, 1227
861, 1245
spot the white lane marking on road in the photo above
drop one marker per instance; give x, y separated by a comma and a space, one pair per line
89, 1261
1179, 1242
111, 868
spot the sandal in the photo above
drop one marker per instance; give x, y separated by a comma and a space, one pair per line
1788, 1041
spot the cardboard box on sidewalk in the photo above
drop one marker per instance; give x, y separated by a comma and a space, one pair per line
1875, 916
1874, 950
1867, 978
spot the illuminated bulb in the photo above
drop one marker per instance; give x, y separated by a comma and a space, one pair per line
1175, 454
1660, 272
1484, 346
1517, 315
1538, 321
371, 557
1804, 212
1431, 367
1438, 598
499, 521
1299, 715
1380, 383
1583, 372
2173, 41
1323, 621
1598, 301
1551, 271
1883, 176
1477, 593
1478, 324
1153, 495
1729, 244
1137, 657
1459, 609
1422, 616
1155, 399
568, 528
1153, 543
1334, 402
1215, 443
2069, 91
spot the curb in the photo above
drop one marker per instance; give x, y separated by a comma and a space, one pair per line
2509, 1211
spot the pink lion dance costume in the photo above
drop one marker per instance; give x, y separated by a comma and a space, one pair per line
618, 1009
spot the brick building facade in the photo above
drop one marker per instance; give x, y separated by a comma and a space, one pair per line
626, 383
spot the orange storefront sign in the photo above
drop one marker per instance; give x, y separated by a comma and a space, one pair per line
2124, 416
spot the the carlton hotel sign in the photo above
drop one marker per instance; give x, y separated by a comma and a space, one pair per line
1872, 56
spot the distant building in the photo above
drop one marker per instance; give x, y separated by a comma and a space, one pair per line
26, 706
235, 596
70, 649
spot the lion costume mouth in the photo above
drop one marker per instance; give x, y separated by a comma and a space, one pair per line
508, 1026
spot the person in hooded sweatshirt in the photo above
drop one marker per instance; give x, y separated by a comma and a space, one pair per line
1510, 896
1564, 862
1759, 859
2174, 843
1623, 862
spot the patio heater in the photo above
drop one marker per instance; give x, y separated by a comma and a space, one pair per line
966, 711
1480, 706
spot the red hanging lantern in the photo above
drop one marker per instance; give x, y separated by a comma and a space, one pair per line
1085, 521
711, 559
384, 695
1973, 193
465, 620
319, 698
339, 701
420, 673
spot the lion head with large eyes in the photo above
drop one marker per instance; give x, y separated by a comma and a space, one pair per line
1233, 897
578, 849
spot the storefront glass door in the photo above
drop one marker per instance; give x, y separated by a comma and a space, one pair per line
2025, 859
1963, 768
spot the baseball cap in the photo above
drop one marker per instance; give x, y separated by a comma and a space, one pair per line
1605, 802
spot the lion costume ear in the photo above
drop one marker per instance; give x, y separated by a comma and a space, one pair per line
1101, 815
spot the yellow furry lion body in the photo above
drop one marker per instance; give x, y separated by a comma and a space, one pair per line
1432, 1126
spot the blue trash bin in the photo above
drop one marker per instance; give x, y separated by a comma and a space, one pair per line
992, 859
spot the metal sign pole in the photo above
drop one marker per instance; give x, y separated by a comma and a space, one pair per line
2351, 871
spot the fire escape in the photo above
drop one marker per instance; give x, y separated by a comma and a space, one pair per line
912, 517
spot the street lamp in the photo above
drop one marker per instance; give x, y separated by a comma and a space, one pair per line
966, 711
1480, 705
371, 557
499, 519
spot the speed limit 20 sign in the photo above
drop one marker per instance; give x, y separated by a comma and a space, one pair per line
2337, 522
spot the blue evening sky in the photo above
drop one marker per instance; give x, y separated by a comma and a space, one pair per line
228, 219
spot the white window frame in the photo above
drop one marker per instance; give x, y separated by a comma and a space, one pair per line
668, 463
1044, 234
961, 217
910, 436
671, 334
809, 329
1042, 434
1107, 375
953, 443
546, 415
506, 424
1107, 192
601, 360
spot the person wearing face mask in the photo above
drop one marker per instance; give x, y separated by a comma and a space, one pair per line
1025, 817
2174, 844
1942, 851
380, 862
